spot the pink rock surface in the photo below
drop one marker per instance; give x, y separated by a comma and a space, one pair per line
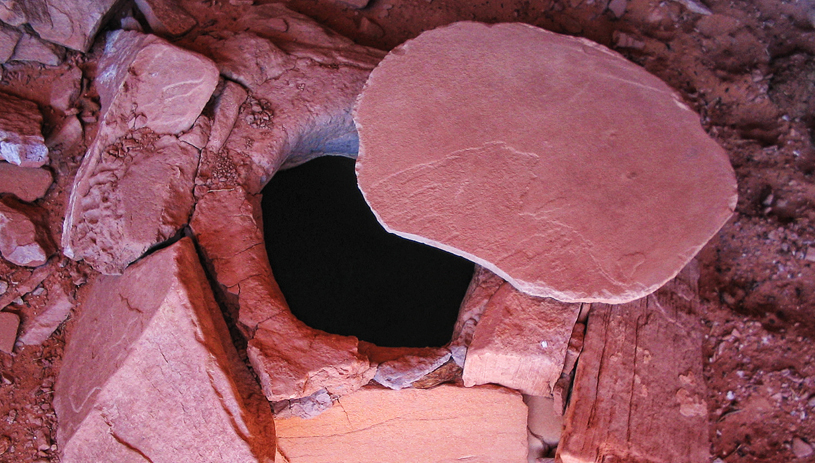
24, 238
21, 140
520, 342
9, 322
8, 40
26, 183
143, 81
639, 392
551, 160
30, 48
443, 424
137, 194
152, 375
41, 325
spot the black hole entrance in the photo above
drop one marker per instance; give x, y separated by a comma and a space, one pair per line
341, 272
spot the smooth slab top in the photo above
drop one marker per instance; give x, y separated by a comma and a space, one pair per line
551, 160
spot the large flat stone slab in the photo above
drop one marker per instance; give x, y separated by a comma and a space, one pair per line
443, 424
150, 373
639, 391
520, 342
551, 160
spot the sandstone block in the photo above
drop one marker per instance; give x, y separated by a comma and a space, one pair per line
520, 342
548, 159
144, 81
443, 424
137, 193
152, 375
21, 140
639, 391
9, 322
26, 183
24, 238
166, 17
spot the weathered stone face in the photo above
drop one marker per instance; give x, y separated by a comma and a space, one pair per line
21, 140
24, 239
552, 161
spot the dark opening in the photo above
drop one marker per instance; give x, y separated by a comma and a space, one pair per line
341, 272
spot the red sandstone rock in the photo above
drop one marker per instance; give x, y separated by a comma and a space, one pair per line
520, 342
8, 40
291, 359
166, 17
443, 424
21, 140
400, 367
70, 23
639, 393
8, 331
138, 194
551, 160
30, 48
24, 238
150, 373
482, 287
26, 183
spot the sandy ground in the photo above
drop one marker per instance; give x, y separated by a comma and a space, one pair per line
748, 69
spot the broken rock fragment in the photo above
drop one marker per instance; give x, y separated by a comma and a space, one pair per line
30, 48
166, 17
21, 140
26, 183
24, 237
152, 375
8, 40
520, 342
443, 424
551, 160
9, 322
70, 23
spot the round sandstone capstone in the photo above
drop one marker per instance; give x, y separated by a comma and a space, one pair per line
551, 160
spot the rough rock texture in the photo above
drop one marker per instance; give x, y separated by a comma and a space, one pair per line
138, 194
550, 160
30, 48
400, 367
26, 183
8, 40
166, 17
482, 287
639, 392
21, 140
560, 393
70, 23
520, 342
153, 376
290, 359
24, 238
8, 331
542, 420
443, 424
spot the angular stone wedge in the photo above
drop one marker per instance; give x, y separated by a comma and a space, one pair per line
24, 238
564, 168
26, 183
150, 373
639, 391
520, 342
444, 424
70, 23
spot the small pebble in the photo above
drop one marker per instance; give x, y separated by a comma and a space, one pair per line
800, 448
5, 443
